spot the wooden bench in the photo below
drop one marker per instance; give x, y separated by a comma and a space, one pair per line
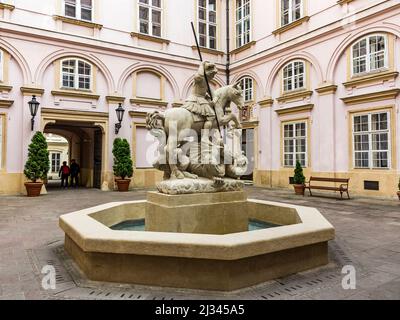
343, 188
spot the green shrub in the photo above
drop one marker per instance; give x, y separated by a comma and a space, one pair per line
123, 165
38, 164
299, 177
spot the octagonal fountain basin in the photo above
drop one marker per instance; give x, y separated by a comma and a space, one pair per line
113, 243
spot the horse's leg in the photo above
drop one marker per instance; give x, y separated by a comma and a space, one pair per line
231, 117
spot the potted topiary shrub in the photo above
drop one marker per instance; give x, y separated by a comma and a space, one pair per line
37, 166
299, 179
123, 165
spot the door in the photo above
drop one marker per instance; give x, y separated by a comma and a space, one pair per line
248, 149
98, 151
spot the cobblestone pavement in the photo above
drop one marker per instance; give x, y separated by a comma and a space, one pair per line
368, 237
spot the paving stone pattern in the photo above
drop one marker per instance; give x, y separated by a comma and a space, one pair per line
367, 237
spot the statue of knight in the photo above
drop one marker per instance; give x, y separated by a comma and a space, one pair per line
180, 156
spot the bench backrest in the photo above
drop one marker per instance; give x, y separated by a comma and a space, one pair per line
329, 179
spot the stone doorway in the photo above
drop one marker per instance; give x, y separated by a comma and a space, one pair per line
248, 148
87, 144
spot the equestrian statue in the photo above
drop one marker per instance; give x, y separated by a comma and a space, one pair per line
191, 141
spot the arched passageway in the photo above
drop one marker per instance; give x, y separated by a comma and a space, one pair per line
84, 145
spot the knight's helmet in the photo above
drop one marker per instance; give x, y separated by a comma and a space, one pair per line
209, 67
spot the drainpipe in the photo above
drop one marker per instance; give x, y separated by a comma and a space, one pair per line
228, 56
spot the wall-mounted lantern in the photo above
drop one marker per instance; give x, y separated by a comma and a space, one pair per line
33, 108
120, 116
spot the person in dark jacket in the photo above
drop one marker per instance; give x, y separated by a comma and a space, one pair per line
64, 175
75, 170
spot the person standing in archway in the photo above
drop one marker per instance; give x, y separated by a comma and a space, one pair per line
75, 170
64, 174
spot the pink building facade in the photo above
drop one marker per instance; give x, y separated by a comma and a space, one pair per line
320, 80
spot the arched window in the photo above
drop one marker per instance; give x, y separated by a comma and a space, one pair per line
76, 74
369, 54
294, 75
247, 83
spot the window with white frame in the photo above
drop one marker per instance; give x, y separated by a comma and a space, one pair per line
76, 74
150, 15
55, 162
1, 65
371, 140
291, 10
295, 144
207, 14
369, 54
294, 75
79, 9
243, 22
246, 84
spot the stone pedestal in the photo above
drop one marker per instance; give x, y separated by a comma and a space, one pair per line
204, 213
200, 185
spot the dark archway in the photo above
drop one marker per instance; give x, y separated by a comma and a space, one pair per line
85, 147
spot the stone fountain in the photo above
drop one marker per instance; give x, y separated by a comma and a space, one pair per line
198, 230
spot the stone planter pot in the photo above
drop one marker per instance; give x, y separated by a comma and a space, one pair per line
299, 189
33, 188
123, 185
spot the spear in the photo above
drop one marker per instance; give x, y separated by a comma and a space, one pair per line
205, 76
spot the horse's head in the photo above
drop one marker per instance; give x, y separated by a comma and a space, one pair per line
236, 95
